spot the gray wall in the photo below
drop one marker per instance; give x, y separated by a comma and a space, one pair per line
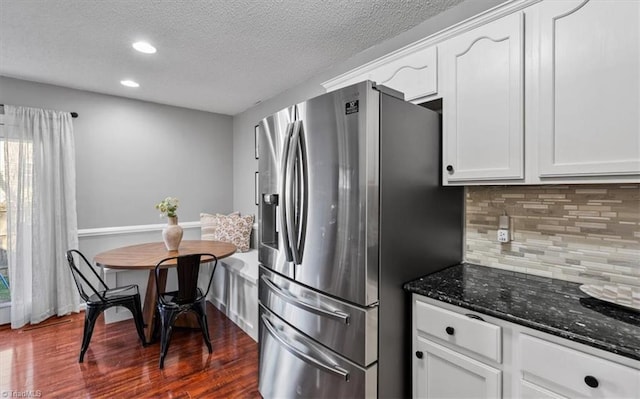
130, 154
244, 162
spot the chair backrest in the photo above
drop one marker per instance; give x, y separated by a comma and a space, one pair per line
81, 280
188, 269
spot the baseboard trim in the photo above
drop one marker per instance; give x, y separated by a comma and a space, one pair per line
243, 324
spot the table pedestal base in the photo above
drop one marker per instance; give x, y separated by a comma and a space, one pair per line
185, 320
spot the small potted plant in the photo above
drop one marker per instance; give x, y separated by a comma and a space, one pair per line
172, 233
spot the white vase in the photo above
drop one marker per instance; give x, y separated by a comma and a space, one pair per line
172, 234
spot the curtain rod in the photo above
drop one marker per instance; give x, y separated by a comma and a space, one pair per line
73, 114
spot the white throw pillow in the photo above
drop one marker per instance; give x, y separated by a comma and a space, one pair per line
232, 228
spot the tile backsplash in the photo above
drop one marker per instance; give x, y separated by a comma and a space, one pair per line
580, 233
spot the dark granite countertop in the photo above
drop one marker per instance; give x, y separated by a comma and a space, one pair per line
553, 306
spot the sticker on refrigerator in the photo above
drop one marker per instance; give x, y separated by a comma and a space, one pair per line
352, 107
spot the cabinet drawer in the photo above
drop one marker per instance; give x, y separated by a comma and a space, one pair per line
563, 369
477, 336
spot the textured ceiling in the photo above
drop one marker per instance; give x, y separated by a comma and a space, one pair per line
219, 55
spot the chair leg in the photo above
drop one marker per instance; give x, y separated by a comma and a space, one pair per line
202, 320
135, 308
90, 316
157, 326
167, 317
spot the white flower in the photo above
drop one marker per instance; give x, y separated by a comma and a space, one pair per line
168, 206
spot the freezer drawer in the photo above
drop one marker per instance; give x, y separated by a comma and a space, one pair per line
348, 330
294, 366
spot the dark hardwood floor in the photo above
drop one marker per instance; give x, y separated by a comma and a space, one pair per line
44, 358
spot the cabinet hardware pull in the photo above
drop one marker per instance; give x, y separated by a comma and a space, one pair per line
419, 354
591, 381
473, 316
450, 168
450, 330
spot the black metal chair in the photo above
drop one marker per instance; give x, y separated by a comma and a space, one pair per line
98, 300
188, 298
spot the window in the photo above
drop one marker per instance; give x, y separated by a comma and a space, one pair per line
5, 293
13, 153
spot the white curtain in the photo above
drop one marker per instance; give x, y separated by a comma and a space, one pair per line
39, 165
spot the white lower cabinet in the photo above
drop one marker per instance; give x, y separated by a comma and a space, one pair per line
440, 372
533, 391
455, 355
462, 354
572, 373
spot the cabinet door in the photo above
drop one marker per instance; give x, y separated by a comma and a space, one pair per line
412, 72
439, 372
589, 88
415, 74
482, 89
532, 391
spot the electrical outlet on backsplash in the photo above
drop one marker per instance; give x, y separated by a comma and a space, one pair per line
580, 233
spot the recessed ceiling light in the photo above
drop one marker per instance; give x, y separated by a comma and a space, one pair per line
129, 83
144, 47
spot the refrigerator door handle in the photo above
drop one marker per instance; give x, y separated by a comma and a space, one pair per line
301, 191
295, 301
334, 369
289, 188
284, 198
295, 193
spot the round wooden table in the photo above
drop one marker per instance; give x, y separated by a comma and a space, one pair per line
146, 256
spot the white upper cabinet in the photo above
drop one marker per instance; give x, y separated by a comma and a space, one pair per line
589, 88
533, 91
412, 71
482, 89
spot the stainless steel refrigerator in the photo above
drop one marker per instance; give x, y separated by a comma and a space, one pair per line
351, 207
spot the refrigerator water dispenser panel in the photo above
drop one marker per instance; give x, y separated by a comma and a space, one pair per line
269, 225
